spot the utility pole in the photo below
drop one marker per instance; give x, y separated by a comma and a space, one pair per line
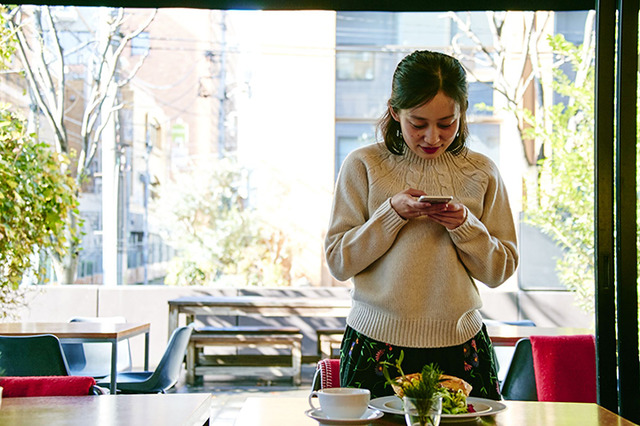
109, 182
147, 181
124, 169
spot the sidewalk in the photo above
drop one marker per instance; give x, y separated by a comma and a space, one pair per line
230, 393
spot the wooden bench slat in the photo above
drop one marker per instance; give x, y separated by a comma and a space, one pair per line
326, 331
246, 330
201, 341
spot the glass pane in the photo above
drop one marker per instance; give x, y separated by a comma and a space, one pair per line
223, 118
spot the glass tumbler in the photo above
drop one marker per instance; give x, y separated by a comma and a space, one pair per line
421, 411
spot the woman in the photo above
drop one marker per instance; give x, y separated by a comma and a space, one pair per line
413, 263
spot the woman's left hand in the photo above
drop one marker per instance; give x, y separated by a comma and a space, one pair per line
452, 216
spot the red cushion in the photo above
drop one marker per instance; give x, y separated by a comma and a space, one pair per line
565, 368
46, 386
329, 373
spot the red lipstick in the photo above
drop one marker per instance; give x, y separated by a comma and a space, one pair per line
430, 150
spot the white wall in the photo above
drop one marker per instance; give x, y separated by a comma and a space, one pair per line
150, 304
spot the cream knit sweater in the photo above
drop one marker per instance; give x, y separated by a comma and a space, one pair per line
414, 279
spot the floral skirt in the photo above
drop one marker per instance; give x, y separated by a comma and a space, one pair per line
362, 360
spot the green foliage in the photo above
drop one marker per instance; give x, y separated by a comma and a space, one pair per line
219, 239
563, 207
424, 386
420, 388
7, 40
36, 197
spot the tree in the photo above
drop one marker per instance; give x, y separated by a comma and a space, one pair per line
217, 237
36, 197
563, 206
522, 75
559, 196
43, 57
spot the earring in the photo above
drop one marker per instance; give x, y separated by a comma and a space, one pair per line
457, 135
399, 133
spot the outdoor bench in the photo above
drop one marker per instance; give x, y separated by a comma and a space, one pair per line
199, 364
328, 339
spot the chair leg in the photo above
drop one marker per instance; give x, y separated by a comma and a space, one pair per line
296, 362
191, 363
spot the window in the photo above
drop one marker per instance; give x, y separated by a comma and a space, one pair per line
354, 66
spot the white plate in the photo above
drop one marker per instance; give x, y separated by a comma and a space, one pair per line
370, 415
484, 407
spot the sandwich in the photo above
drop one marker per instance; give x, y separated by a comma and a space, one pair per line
455, 384
451, 383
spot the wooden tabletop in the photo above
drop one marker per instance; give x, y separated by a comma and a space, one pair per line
262, 301
508, 335
256, 305
107, 410
283, 411
70, 330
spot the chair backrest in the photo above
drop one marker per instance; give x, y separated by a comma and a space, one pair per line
327, 374
167, 372
94, 358
565, 368
14, 387
497, 323
520, 382
39, 355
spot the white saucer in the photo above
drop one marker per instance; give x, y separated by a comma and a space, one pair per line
370, 415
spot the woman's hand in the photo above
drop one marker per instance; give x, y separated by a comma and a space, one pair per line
406, 204
452, 216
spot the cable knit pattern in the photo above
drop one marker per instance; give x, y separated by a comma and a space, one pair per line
414, 279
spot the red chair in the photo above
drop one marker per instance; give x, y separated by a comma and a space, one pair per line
14, 387
565, 368
327, 374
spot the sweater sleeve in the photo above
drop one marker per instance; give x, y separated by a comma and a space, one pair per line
487, 245
357, 237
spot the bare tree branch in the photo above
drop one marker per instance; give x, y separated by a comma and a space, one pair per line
43, 56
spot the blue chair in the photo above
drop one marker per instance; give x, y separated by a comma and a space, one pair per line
166, 374
520, 382
39, 355
521, 323
504, 354
94, 358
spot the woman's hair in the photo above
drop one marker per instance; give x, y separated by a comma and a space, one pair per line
417, 79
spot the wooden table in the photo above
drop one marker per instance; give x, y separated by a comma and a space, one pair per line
108, 410
83, 332
508, 335
290, 411
256, 305
264, 306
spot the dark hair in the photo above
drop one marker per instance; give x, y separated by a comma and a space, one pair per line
417, 79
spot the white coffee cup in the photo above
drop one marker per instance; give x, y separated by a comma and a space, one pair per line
342, 403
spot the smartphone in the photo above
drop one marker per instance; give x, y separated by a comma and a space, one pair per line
435, 199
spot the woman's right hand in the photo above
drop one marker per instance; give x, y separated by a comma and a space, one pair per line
406, 204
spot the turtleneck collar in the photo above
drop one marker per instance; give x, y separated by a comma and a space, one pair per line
412, 157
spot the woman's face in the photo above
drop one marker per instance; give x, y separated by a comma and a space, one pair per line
429, 129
